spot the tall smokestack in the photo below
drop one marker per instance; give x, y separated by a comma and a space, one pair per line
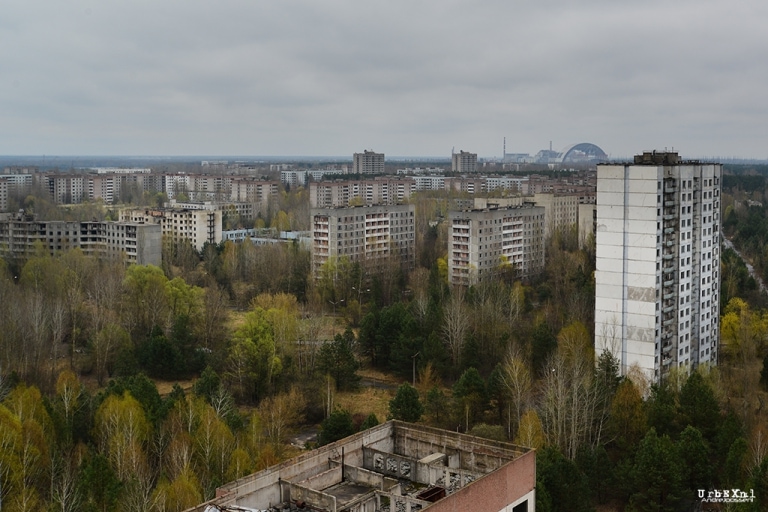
504, 152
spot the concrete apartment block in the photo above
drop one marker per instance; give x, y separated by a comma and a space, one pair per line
657, 282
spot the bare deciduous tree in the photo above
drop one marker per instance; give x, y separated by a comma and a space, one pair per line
517, 380
455, 324
571, 402
280, 415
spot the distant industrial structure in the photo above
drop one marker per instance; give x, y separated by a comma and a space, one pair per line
583, 152
395, 466
657, 278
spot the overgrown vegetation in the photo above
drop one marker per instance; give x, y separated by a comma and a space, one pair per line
85, 344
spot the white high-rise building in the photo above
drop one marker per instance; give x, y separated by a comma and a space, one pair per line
657, 278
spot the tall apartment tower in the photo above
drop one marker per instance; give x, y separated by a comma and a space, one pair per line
657, 278
368, 162
463, 162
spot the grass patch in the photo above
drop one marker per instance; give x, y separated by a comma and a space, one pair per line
366, 401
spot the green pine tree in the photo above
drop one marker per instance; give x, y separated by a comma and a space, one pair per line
406, 405
659, 475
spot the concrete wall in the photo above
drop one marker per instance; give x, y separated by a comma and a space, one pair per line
495, 491
323, 480
261, 490
149, 245
365, 477
316, 498
463, 451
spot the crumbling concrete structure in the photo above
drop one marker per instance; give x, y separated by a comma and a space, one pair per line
393, 467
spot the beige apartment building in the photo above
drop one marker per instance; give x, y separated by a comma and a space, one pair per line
197, 226
363, 234
561, 211
480, 241
252, 190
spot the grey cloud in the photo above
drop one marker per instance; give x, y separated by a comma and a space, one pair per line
331, 77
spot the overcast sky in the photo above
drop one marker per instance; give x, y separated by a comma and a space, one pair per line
407, 78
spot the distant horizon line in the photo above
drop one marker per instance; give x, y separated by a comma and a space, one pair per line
333, 158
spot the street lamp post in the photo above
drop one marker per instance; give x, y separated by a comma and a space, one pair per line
334, 304
414, 366
360, 292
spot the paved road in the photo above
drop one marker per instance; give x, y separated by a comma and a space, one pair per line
750, 268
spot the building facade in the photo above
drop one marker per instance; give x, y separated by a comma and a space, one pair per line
130, 242
332, 194
4, 193
296, 178
364, 234
368, 162
197, 226
561, 211
481, 242
253, 190
20, 183
464, 162
657, 278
